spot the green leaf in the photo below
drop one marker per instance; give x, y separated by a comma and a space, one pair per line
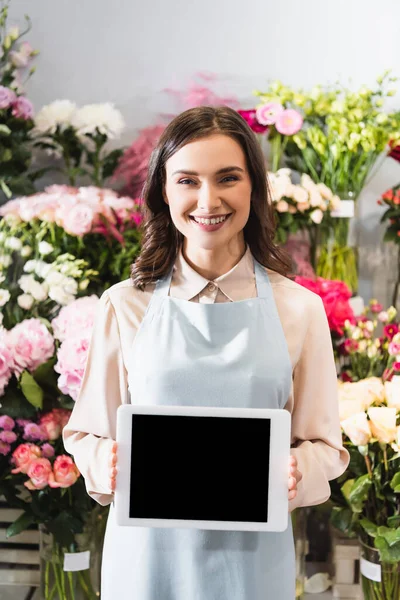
346, 488
4, 130
395, 483
31, 390
394, 521
341, 518
389, 554
22, 523
14, 404
359, 493
392, 536
369, 527
111, 161
64, 527
45, 375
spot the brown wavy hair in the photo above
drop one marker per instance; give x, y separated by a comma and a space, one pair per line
161, 240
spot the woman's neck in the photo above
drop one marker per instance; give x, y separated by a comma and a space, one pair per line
212, 263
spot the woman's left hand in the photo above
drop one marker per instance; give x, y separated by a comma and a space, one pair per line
294, 477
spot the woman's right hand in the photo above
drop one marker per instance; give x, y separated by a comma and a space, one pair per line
113, 466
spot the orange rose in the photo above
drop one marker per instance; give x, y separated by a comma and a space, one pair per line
65, 472
38, 473
23, 455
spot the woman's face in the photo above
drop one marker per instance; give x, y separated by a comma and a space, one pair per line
208, 190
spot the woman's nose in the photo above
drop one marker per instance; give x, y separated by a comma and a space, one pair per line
208, 199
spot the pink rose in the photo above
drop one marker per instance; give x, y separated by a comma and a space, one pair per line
22, 108
250, 117
289, 122
78, 219
65, 472
8, 437
267, 114
48, 450
31, 344
51, 424
23, 455
7, 97
38, 472
7, 423
62, 415
4, 448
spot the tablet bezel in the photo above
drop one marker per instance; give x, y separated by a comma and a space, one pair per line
278, 504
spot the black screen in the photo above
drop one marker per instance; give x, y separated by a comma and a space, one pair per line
200, 468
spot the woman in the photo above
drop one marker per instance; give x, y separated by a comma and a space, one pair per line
208, 241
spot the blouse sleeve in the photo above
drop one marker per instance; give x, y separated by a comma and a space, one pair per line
91, 429
316, 435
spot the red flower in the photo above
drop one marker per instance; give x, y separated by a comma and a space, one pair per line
351, 346
390, 330
376, 307
345, 377
250, 117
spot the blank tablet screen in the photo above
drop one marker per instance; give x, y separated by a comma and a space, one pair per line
199, 468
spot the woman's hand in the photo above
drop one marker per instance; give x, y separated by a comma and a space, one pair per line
294, 477
113, 466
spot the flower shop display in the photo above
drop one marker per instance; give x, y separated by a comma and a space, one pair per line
301, 207
367, 496
336, 136
391, 199
79, 136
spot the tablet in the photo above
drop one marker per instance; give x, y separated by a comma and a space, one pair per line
203, 467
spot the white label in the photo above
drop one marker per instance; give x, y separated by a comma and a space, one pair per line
77, 561
345, 210
370, 570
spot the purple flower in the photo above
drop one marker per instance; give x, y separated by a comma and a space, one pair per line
48, 450
7, 423
22, 108
22, 422
7, 97
34, 433
8, 437
4, 448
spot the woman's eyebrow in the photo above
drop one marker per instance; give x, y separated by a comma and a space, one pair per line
219, 172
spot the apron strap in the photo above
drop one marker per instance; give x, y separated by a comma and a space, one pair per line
163, 285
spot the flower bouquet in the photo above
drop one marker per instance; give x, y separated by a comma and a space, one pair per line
391, 199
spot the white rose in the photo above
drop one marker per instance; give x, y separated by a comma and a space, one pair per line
25, 282
26, 251
357, 429
335, 203
316, 200
300, 195
25, 301
383, 423
392, 390
39, 291
59, 295
5, 260
13, 243
4, 297
45, 248
282, 206
70, 286
317, 216
325, 192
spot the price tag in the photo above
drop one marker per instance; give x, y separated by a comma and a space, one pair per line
345, 210
370, 570
76, 561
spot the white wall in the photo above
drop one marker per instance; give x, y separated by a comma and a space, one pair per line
127, 52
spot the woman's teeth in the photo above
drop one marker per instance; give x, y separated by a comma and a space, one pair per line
211, 221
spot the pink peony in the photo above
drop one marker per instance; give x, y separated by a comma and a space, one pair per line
39, 472
289, 122
267, 114
251, 119
23, 455
31, 344
78, 220
7, 97
7, 423
72, 357
48, 450
8, 437
76, 319
6, 364
51, 424
4, 448
22, 108
34, 433
65, 472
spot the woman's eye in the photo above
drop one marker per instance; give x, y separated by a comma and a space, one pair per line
185, 181
229, 179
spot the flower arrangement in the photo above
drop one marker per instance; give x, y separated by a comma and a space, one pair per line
79, 136
62, 244
301, 207
367, 495
391, 199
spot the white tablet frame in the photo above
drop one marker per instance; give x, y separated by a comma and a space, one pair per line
278, 504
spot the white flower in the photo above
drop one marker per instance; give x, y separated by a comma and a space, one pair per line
13, 243
300, 194
369, 326
59, 295
45, 248
316, 199
335, 203
29, 285
30, 266
392, 389
55, 278
4, 297
51, 116
317, 216
372, 351
12, 220
2, 236
25, 301
70, 286
357, 429
325, 192
5, 260
307, 183
26, 251
282, 206
104, 117
83, 284
2, 278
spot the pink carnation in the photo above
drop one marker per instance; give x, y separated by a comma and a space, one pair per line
390, 331
23, 455
267, 114
8, 437
250, 117
289, 122
31, 344
7, 423
4, 448
65, 472
22, 108
34, 433
48, 450
72, 357
76, 319
39, 472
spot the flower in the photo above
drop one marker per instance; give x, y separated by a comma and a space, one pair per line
71, 362
77, 220
31, 345
29, 285
48, 450
289, 122
392, 391
4, 297
39, 472
22, 57
7, 97
317, 216
45, 248
51, 425
8, 437
7, 423
22, 108
4, 448
6, 371
76, 319
98, 117
34, 433
65, 472
390, 330
267, 114
23, 455
357, 429
251, 119
25, 301
57, 114
62, 415
383, 423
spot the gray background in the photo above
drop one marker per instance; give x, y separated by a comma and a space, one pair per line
128, 52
